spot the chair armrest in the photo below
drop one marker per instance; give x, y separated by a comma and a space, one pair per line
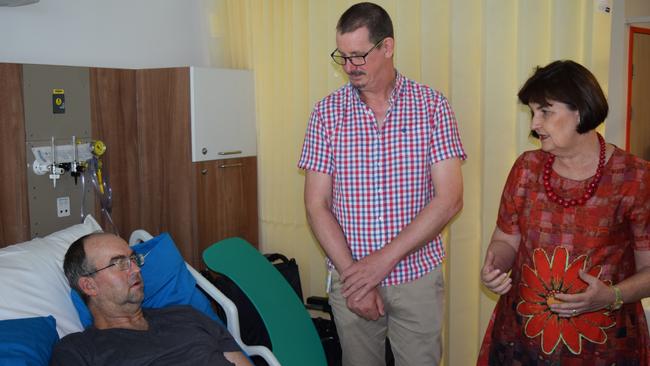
319, 303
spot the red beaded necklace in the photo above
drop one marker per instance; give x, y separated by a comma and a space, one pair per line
591, 188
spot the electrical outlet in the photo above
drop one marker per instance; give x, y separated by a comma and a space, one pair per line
63, 206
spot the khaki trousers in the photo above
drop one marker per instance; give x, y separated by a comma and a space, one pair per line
413, 323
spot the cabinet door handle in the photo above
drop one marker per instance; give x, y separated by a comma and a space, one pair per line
233, 152
234, 165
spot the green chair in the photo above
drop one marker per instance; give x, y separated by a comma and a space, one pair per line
292, 333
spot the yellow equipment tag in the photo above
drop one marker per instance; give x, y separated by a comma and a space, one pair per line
58, 101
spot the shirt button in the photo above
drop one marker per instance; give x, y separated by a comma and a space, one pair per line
379, 190
380, 218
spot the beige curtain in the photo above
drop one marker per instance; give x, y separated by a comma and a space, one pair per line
476, 52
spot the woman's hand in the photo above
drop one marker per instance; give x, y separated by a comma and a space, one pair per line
493, 278
598, 295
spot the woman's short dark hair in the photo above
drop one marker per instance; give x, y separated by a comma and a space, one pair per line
369, 15
568, 82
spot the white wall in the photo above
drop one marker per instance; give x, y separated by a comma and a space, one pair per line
108, 33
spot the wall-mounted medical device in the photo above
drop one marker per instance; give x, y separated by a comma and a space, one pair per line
56, 160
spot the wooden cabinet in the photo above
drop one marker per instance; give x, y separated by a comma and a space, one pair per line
226, 200
223, 140
157, 187
222, 113
167, 186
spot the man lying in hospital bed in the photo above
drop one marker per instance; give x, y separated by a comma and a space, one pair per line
105, 271
37, 307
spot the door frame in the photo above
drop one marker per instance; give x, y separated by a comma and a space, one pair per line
633, 30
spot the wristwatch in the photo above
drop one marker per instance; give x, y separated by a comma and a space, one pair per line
619, 299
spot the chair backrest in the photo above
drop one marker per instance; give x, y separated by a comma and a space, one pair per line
293, 336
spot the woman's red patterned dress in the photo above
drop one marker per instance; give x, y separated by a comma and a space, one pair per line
556, 242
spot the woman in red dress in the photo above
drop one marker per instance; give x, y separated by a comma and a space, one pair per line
570, 255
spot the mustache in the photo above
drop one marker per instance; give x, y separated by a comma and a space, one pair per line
356, 73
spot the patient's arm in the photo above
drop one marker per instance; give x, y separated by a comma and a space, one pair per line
237, 358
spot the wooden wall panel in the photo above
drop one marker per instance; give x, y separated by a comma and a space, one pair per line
227, 200
167, 180
14, 207
114, 121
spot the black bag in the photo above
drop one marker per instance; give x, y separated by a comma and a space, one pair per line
289, 269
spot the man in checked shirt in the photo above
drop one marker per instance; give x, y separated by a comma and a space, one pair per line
382, 156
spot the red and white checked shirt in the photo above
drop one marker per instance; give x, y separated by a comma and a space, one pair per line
382, 177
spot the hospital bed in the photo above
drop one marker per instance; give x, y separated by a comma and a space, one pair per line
36, 306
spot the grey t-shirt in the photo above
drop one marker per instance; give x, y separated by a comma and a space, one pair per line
178, 335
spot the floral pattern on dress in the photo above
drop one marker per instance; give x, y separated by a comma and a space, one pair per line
537, 291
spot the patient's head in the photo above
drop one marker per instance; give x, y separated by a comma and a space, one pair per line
104, 271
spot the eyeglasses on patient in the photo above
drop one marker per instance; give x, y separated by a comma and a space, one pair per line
357, 60
122, 264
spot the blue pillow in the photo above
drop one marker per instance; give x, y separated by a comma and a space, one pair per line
166, 280
27, 341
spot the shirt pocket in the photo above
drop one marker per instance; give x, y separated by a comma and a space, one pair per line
409, 145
